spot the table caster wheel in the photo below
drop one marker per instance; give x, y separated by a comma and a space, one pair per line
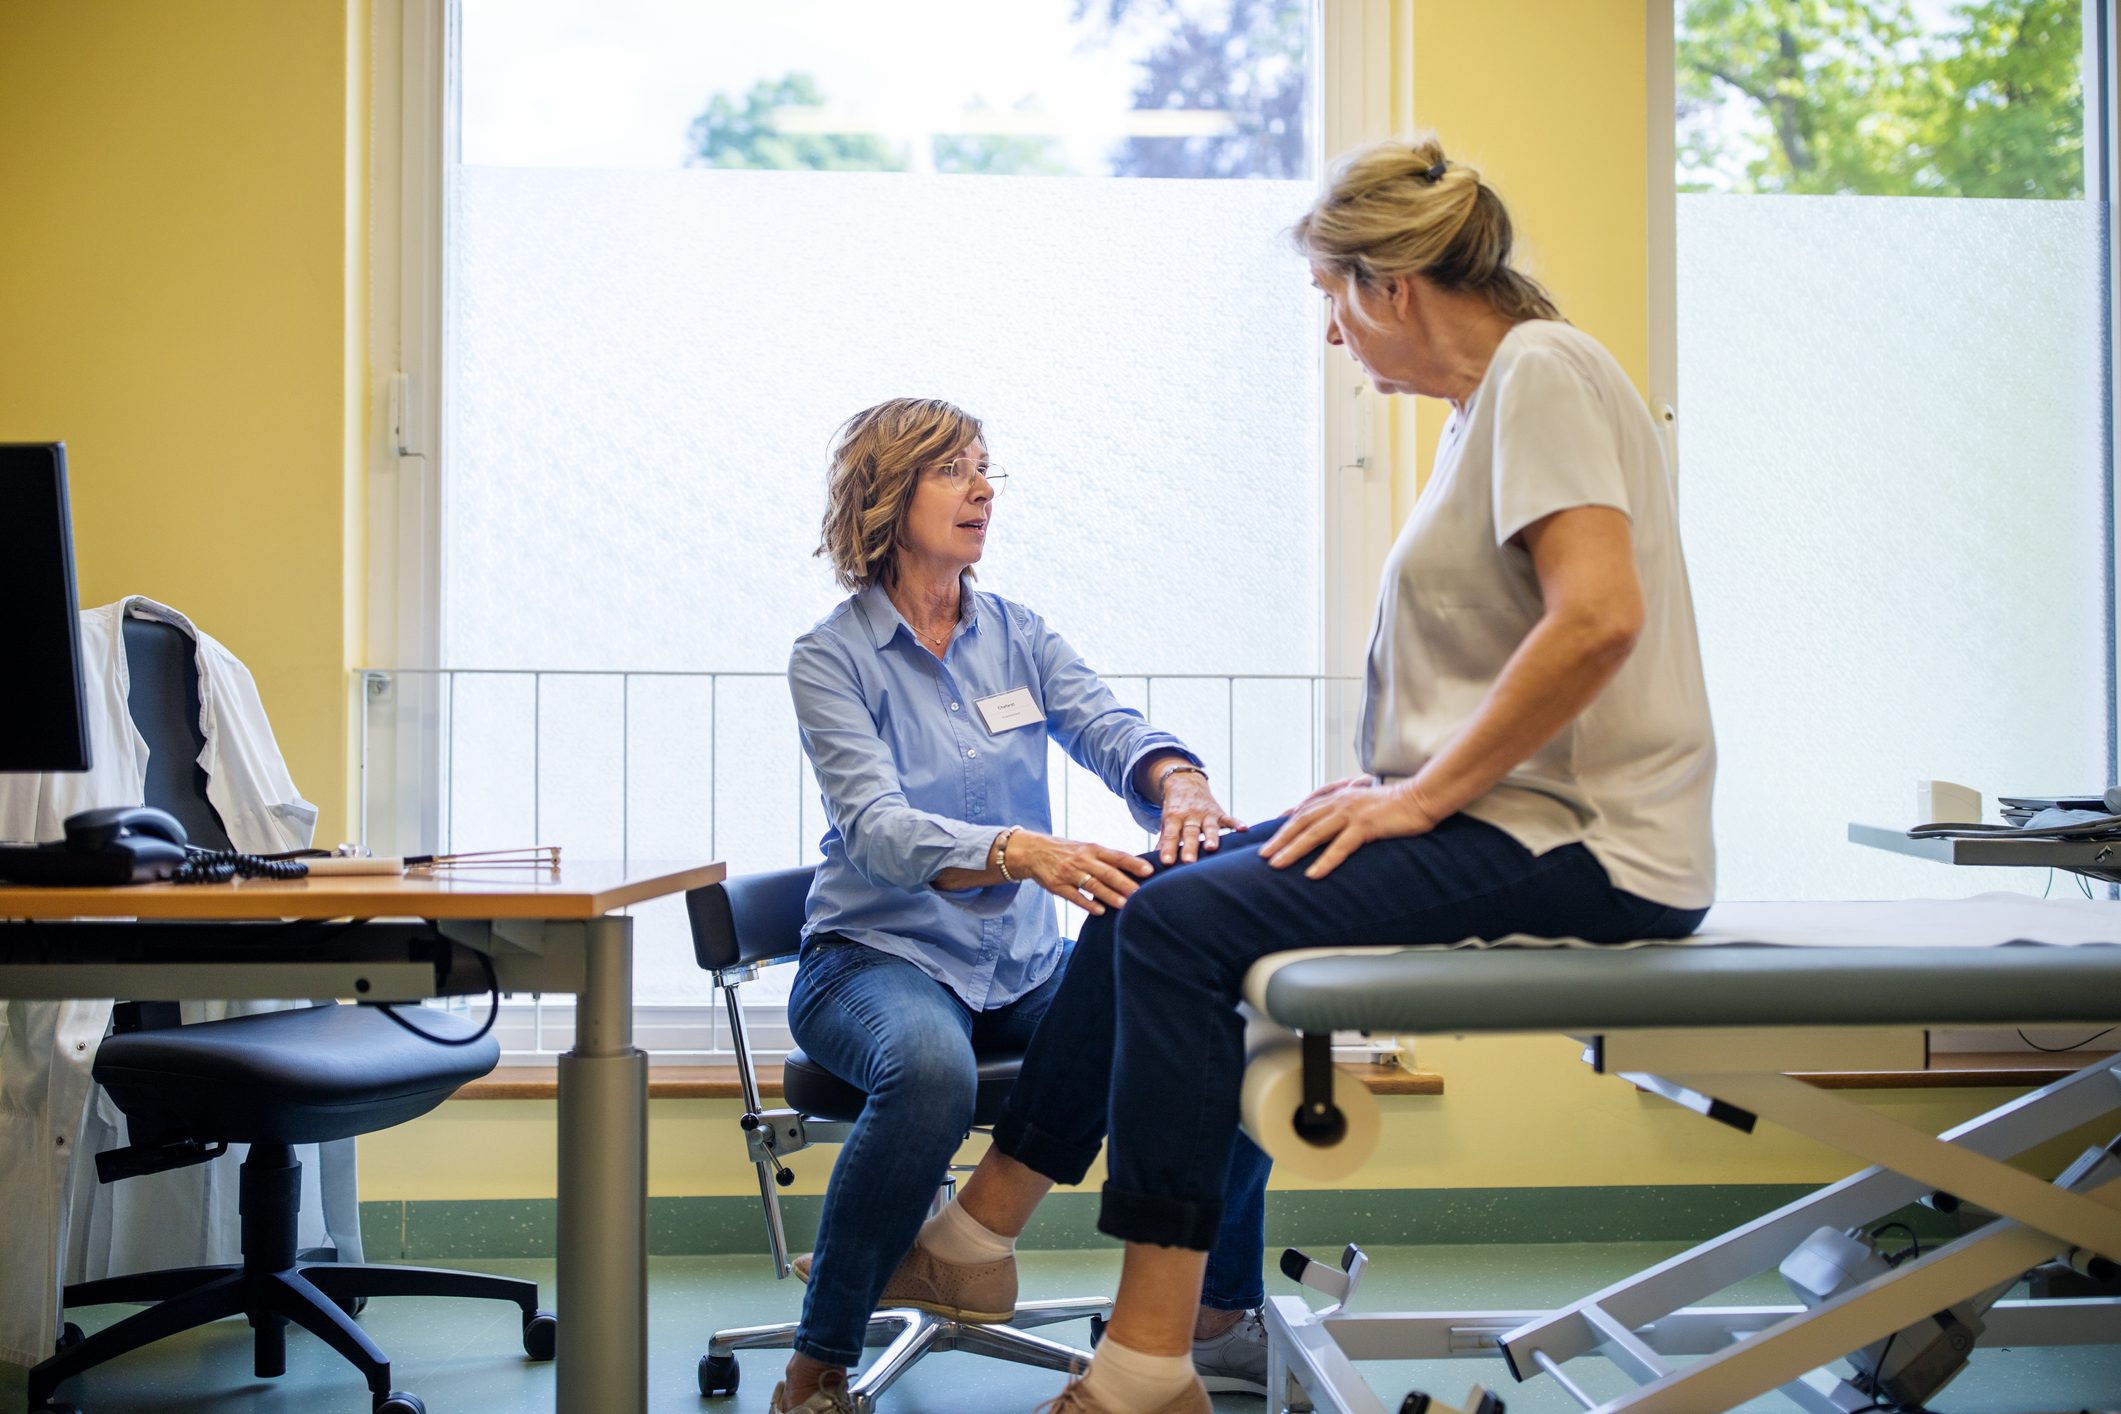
55, 1409
69, 1336
541, 1335
718, 1375
351, 1305
400, 1402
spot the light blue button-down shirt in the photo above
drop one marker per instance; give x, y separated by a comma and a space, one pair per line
914, 782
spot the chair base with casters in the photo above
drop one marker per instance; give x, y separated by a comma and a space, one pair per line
823, 1108
905, 1334
181, 1082
738, 927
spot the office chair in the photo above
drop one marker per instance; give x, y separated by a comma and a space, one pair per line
272, 1081
738, 928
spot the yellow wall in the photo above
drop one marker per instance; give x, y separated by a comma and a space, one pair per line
1547, 99
1516, 1112
181, 290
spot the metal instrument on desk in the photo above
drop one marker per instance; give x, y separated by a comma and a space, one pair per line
351, 859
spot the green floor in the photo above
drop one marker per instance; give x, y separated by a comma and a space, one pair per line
464, 1357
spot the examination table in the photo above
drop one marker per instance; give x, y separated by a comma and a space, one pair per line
1716, 1023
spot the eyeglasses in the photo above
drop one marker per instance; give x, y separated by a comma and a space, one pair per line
958, 476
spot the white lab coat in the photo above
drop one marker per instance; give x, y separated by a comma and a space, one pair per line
57, 1224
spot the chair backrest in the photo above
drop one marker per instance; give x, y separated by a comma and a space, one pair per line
756, 918
163, 698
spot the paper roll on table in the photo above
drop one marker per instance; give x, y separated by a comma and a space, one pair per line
1273, 1092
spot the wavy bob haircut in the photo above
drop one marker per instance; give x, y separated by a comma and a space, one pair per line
877, 457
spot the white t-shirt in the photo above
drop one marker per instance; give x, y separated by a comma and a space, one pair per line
1554, 424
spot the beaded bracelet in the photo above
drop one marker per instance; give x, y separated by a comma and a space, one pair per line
1163, 777
1001, 855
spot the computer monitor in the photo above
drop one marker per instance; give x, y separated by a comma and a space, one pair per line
42, 725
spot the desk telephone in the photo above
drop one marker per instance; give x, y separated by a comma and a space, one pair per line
135, 844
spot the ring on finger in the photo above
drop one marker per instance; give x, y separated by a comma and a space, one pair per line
1082, 885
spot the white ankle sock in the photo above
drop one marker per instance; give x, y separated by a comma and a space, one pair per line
953, 1236
1120, 1378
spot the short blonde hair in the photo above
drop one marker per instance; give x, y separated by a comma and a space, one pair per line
1401, 208
877, 456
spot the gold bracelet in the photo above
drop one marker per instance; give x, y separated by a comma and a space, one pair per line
1001, 855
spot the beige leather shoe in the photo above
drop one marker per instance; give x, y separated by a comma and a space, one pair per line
984, 1291
831, 1397
1076, 1400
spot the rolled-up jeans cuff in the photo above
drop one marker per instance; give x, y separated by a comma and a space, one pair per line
1217, 1299
1165, 1222
1061, 1160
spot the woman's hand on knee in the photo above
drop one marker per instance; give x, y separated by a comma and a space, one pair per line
1090, 876
1339, 823
1193, 819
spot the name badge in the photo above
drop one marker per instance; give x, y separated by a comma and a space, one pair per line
1006, 711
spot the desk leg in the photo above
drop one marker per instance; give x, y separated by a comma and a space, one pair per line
603, 1236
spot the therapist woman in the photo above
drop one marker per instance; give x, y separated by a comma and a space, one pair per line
1535, 741
925, 708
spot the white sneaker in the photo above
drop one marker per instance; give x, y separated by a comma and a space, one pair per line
1234, 1362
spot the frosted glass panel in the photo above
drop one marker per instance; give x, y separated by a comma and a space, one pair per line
649, 367
647, 371
1892, 458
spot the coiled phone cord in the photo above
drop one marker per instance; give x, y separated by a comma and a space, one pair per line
218, 866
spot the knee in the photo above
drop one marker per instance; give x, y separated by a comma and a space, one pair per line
935, 1078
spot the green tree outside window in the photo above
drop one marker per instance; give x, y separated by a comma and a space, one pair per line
1856, 96
734, 132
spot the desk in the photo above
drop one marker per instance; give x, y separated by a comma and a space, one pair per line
2096, 859
548, 931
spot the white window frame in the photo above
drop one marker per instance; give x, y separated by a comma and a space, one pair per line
413, 109
415, 144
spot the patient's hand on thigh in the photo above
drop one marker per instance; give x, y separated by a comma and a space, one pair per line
1329, 789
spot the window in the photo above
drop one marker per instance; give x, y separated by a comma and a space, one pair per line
683, 242
1894, 429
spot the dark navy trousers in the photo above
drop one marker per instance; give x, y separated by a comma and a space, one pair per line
1144, 1038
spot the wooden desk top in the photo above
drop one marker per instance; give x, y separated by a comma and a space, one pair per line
578, 889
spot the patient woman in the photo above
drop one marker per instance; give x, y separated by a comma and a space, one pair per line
925, 707
1535, 736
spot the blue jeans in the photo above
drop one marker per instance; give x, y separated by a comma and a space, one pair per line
879, 1022
1159, 1052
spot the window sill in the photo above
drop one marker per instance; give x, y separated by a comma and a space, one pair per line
1957, 1070
719, 1082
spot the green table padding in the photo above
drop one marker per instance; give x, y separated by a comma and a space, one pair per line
1418, 990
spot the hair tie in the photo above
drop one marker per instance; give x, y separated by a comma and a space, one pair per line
1435, 173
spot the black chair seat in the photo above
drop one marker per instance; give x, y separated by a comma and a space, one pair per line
809, 1087
291, 1077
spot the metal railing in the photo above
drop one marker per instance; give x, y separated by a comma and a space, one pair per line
641, 763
